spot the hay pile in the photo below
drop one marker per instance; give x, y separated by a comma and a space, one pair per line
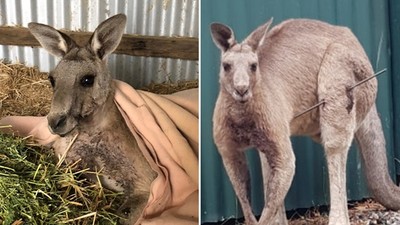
24, 91
33, 189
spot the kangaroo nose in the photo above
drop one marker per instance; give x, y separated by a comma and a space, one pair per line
242, 90
57, 122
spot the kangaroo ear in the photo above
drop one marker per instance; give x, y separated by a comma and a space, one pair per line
55, 42
257, 37
222, 36
107, 36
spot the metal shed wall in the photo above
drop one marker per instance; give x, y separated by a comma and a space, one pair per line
369, 20
145, 17
394, 7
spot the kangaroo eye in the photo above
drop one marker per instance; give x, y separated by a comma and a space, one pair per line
227, 67
87, 80
253, 67
52, 81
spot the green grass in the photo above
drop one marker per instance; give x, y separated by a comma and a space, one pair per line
33, 190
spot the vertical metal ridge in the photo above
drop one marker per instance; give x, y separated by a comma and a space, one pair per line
151, 17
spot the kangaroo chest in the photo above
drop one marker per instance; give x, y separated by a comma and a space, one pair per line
123, 167
248, 126
243, 127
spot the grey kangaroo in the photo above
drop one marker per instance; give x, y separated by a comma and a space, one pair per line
272, 76
83, 105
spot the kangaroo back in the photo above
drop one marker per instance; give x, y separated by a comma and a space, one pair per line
291, 57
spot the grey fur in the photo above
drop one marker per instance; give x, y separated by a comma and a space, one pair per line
83, 104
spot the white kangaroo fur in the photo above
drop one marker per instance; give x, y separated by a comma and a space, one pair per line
272, 76
83, 104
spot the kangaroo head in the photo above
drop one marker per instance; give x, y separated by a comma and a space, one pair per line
239, 70
81, 81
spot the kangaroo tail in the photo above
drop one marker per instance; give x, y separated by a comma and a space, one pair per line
371, 142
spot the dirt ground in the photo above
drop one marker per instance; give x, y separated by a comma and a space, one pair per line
365, 212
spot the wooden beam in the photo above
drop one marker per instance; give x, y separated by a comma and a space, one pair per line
135, 45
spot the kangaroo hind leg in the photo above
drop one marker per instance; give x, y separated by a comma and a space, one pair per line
338, 124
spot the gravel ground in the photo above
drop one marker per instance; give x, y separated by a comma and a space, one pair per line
366, 212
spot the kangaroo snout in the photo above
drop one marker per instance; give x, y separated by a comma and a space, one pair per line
242, 90
61, 124
242, 93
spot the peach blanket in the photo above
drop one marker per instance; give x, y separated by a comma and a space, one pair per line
166, 127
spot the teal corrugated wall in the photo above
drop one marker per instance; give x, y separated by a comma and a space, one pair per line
394, 10
372, 21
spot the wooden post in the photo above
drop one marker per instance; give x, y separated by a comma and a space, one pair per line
135, 45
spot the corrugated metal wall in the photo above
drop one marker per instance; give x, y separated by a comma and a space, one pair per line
369, 20
394, 7
145, 17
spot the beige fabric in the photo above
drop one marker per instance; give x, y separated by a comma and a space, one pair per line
166, 127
